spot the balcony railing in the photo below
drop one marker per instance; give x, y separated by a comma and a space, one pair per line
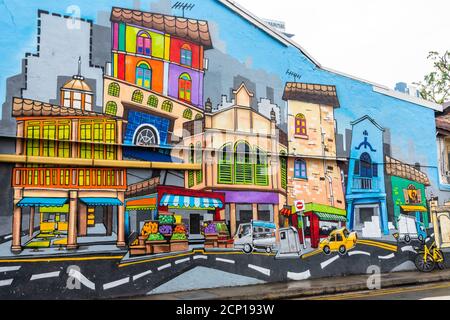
70, 178
365, 184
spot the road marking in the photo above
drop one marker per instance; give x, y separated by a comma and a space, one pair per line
47, 260
409, 248
307, 255
83, 280
45, 275
115, 284
5, 283
201, 257
260, 269
377, 244
8, 269
354, 253
8, 237
225, 260
445, 298
325, 264
182, 261
165, 266
390, 256
299, 276
141, 275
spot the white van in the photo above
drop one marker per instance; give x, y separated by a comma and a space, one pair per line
256, 235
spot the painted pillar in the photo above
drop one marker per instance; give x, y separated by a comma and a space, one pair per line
233, 219
72, 232
276, 219
166, 79
350, 213
109, 220
32, 213
384, 218
17, 223
121, 221
218, 216
255, 211
82, 220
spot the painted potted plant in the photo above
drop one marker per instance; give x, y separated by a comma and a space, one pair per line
211, 235
156, 243
224, 240
179, 240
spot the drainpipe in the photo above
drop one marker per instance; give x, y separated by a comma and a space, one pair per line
330, 179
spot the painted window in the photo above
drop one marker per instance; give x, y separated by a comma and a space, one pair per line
152, 101
243, 169
283, 165
187, 114
98, 139
111, 108
167, 106
186, 55
88, 102
191, 173
114, 89
144, 75
184, 87
300, 169
48, 138
146, 136
64, 138
365, 164
199, 116
225, 166
300, 125
199, 159
261, 168
144, 43
138, 96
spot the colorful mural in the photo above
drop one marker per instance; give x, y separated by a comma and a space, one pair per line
160, 144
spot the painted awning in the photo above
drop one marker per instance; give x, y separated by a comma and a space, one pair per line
330, 217
101, 202
315, 207
42, 202
170, 200
414, 209
143, 204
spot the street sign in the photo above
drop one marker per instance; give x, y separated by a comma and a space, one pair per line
299, 205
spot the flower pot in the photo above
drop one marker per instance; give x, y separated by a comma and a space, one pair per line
179, 245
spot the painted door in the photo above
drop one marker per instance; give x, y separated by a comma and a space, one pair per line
194, 225
185, 88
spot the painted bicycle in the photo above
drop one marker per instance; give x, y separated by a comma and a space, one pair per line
428, 257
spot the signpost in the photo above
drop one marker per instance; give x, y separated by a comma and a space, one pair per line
300, 206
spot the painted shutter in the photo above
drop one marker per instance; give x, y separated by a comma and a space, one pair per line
225, 173
261, 174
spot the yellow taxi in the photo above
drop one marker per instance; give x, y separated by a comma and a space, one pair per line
340, 240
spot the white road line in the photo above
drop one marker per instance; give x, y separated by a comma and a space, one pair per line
115, 284
354, 253
390, 256
260, 269
408, 248
445, 298
141, 275
201, 257
4, 283
164, 267
182, 261
325, 264
45, 275
8, 269
80, 277
8, 237
299, 276
225, 260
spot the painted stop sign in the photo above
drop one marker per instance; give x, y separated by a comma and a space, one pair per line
300, 205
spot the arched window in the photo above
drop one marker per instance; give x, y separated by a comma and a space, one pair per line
243, 169
225, 165
114, 89
138, 96
261, 168
187, 114
146, 136
191, 173
167, 106
300, 125
365, 166
283, 169
199, 159
184, 87
111, 108
300, 169
144, 43
152, 101
144, 75
186, 55
199, 116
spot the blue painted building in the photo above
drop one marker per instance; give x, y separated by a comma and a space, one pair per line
366, 193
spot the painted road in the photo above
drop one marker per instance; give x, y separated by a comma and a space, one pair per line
110, 277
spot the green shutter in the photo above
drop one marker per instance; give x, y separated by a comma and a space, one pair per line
244, 173
191, 179
225, 173
261, 175
199, 176
122, 37
283, 173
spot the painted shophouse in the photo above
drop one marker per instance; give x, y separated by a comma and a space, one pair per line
366, 192
72, 199
239, 150
313, 174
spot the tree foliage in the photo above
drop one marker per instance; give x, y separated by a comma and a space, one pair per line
436, 85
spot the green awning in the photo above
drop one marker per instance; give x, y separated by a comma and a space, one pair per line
314, 207
330, 217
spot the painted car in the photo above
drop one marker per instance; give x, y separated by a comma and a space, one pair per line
410, 228
256, 235
340, 240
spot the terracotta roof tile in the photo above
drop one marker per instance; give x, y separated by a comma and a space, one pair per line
196, 31
31, 108
312, 93
399, 169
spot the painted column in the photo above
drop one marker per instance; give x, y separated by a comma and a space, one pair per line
17, 223
350, 215
255, 211
121, 221
166, 79
109, 220
276, 219
72, 232
32, 213
82, 220
233, 219
384, 218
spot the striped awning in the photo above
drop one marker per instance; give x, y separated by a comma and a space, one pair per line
102, 202
175, 201
42, 202
330, 217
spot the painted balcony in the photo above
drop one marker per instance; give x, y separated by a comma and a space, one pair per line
70, 178
365, 185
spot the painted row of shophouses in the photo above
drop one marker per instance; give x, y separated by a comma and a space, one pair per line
154, 110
